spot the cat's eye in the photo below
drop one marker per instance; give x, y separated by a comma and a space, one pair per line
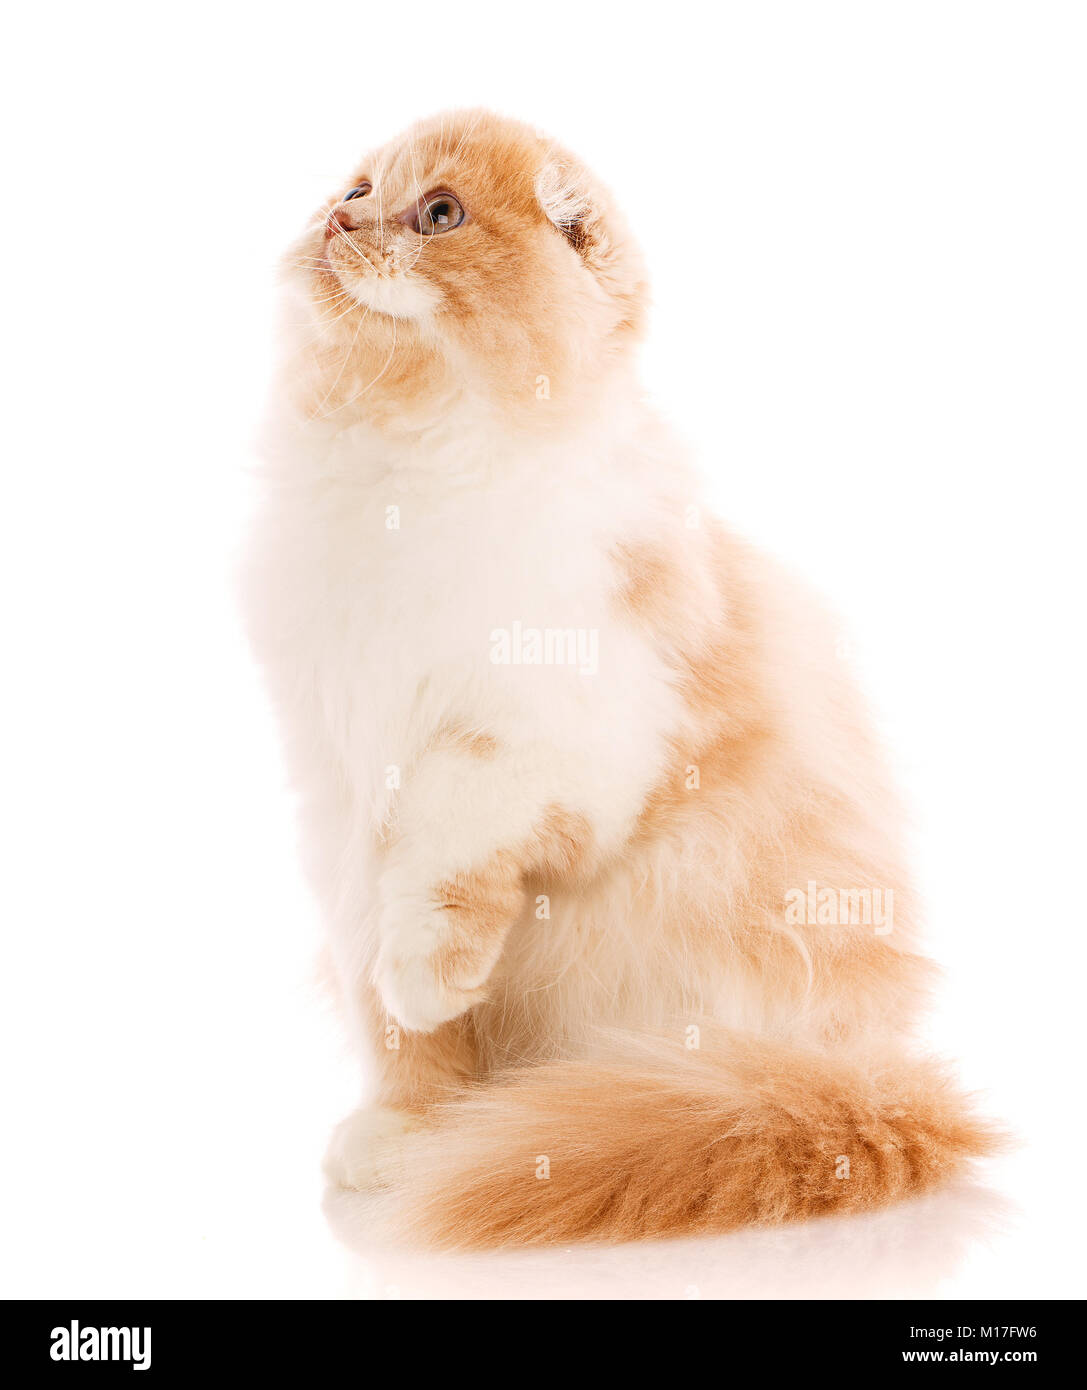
360, 190
437, 212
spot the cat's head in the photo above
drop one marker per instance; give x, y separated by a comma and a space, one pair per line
470, 258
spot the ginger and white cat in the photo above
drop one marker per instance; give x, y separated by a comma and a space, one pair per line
590, 808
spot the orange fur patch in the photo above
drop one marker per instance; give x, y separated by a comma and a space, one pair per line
659, 1141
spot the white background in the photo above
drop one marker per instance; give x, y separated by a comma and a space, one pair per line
866, 227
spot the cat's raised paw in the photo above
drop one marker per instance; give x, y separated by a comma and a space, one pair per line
429, 972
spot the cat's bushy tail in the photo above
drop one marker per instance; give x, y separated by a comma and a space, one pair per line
653, 1140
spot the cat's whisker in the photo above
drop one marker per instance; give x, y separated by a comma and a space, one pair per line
359, 394
418, 192
319, 263
380, 192
339, 296
352, 304
340, 235
346, 358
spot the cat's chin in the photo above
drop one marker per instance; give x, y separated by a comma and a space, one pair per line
397, 296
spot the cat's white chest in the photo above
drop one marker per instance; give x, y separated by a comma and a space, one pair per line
398, 606
396, 613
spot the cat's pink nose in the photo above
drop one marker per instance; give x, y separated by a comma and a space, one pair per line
339, 217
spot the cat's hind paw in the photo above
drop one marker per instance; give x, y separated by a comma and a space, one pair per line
366, 1148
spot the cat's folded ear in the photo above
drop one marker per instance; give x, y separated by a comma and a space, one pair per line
585, 215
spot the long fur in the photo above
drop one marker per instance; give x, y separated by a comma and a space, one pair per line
663, 816
649, 1140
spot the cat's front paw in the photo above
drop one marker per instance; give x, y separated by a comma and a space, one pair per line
365, 1149
431, 967
438, 947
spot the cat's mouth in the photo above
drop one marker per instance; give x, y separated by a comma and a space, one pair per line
396, 293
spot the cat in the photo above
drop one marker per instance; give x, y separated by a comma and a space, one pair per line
609, 862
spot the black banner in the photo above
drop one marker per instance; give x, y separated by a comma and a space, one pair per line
177, 1341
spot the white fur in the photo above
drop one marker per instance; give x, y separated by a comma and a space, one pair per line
401, 296
377, 637
562, 200
365, 1147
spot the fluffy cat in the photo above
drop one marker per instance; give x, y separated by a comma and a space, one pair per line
608, 860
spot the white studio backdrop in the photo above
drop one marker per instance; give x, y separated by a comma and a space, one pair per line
865, 227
